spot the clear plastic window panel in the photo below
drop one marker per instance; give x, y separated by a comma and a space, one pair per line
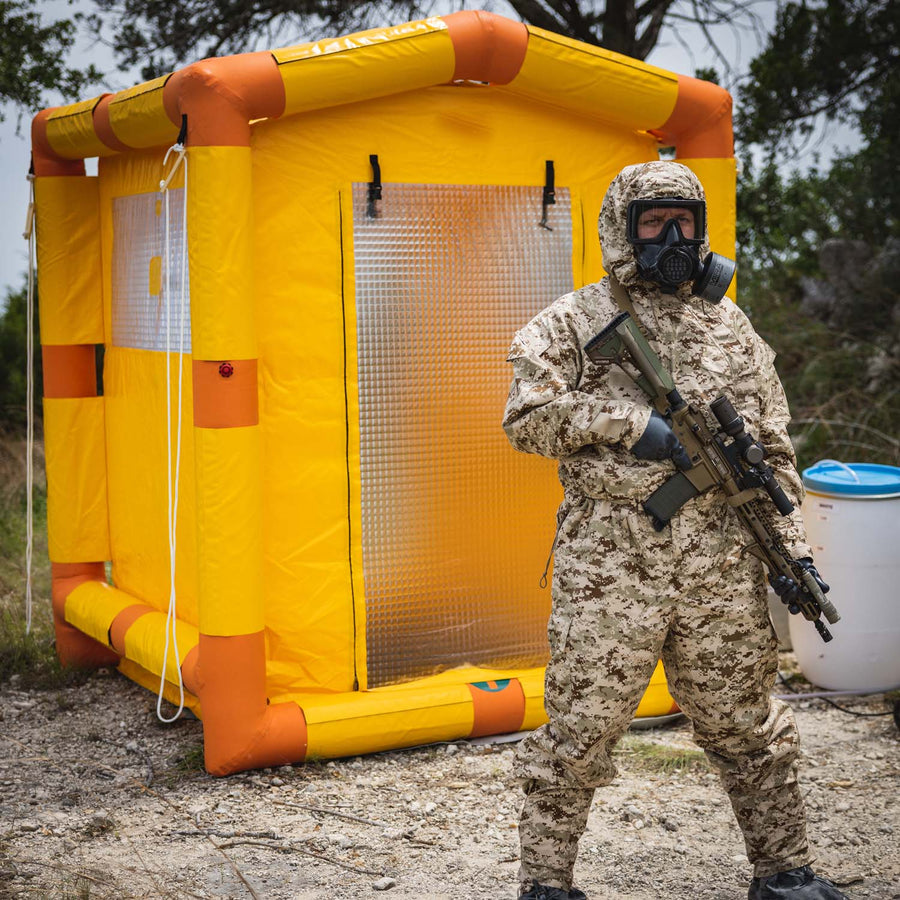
146, 293
445, 275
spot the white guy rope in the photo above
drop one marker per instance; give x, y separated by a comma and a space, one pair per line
28, 234
171, 615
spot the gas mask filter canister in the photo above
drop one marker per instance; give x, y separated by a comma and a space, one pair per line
666, 234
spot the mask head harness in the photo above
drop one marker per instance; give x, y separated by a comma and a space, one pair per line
666, 233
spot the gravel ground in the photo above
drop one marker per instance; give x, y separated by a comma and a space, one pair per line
98, 800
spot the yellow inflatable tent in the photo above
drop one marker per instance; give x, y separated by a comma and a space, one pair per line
332, 273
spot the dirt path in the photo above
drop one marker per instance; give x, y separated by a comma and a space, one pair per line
97, 800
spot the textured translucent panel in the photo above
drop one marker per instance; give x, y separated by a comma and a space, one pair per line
143, 294
445, 274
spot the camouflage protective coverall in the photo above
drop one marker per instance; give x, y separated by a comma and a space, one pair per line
625, 595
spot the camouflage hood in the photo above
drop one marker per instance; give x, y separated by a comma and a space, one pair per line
644, 180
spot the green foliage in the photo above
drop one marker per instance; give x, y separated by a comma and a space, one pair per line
836, 58
13, 361
33, 54
31, 657
819, 251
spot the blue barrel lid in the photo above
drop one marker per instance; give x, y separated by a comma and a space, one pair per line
852, 479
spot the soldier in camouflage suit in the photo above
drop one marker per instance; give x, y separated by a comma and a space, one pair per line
625, 595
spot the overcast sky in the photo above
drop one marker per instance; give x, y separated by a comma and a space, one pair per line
682, 53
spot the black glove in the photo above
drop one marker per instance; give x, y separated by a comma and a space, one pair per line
658, 441
788, 589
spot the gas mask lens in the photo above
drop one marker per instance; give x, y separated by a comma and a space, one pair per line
649, 219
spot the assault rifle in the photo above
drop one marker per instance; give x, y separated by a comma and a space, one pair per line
730, 459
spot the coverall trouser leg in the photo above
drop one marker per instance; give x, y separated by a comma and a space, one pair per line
617, 609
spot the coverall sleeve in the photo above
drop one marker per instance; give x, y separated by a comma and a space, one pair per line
547, 412
774, 419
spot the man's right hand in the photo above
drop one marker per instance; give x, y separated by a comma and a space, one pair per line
658, 441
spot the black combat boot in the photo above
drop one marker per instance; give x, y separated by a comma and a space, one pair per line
796, 884
542, 892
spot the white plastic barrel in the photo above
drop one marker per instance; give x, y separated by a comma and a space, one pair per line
852, 517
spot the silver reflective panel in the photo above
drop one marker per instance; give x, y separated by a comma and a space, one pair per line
144, 295
451, 546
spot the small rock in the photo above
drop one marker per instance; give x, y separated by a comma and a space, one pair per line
276, 782
450, 749
27, 827
383, 884
430, 808
342, 841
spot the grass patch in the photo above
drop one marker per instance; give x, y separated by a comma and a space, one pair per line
29, 659
191, 761
646, 756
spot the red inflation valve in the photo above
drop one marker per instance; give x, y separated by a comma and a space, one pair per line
226, 369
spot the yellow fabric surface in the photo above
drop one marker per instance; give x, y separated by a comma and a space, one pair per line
92, 606
229, 530
75, 450
70, 131
145, 644
590, 81
134, 384
370, 64
719, 180
348, 724
146, 679
68, 251
220, 244
138, 118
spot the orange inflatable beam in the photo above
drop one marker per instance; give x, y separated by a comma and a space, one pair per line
74, 647
221, 96
700, 125
241, 730
44, 159
488, 48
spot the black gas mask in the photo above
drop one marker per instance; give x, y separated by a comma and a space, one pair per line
666, 234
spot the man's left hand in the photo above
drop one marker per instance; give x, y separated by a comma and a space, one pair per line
789, 590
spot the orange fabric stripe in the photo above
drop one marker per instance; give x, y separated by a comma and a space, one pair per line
70, 370
700, 125
487, 47
225, 393
123, 621
240, 730
498, 709
221, 96
190, 670
43, 156
102, 126
73, 647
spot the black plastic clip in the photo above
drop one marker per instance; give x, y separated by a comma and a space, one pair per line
549, 192
182, 135
374, 193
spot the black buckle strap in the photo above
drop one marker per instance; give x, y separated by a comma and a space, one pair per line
549, 197
374, 192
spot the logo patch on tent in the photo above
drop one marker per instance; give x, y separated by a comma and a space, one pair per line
491, 687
